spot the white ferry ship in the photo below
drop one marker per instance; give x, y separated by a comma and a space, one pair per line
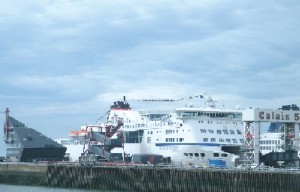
198, 136
271, 142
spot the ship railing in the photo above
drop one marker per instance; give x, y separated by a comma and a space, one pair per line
121, 164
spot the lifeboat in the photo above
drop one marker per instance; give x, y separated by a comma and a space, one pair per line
82, 133
74, 133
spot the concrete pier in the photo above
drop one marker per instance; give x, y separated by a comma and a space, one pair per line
23, 174
130, 178
172, 179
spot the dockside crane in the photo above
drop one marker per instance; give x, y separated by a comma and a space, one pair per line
88, 156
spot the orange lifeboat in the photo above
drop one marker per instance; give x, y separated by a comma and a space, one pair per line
73, 133
82, 133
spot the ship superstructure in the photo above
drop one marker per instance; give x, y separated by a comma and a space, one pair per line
198, 135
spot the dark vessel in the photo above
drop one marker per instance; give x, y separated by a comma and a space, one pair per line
28, 145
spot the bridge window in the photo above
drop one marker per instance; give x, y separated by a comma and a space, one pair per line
232, 132
196, 154
228, 140
202, 154
234, 140
211, 131
224, 155
213, 139
216, 155
203, 130
205, 139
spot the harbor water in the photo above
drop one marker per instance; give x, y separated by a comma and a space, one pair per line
18, 188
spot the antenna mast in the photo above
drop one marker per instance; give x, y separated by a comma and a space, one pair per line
6, 126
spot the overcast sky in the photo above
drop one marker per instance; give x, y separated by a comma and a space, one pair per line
64, 62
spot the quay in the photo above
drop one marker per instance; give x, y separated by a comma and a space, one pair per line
147, 178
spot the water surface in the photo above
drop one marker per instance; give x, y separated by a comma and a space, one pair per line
22, 188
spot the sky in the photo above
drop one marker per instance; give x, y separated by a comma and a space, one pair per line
62, 63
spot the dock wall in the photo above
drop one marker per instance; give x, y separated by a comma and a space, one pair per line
150, 178
23, 174
155, 179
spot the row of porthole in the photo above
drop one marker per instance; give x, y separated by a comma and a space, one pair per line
203, 154
222, 140
218, 122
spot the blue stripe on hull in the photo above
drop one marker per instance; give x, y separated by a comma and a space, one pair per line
200, 144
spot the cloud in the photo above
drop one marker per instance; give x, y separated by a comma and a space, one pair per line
77, 57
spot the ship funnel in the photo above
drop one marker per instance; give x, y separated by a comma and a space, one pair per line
124, 98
